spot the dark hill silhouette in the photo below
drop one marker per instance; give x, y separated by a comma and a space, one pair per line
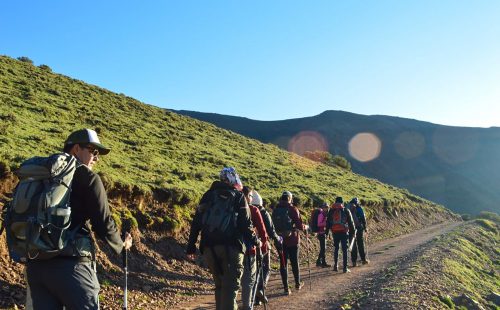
454, 166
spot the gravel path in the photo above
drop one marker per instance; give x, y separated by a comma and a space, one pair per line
327, 285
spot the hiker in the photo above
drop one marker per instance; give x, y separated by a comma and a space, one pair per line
69, 280
358, 215
287, 221
248, 280
266, 258
320, 220
339, 221
223, 246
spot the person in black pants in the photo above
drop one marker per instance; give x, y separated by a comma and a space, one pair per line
341, 224
358, 215
70, 280
291, 239
321, 261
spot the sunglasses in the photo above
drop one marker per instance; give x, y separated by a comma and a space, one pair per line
92, 150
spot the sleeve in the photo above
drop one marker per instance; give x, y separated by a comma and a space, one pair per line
361, 215
245, 222
196, 224
259, 224
329, 223
297, 220
271, 232
100, 216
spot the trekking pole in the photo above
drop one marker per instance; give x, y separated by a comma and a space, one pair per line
125, 268
257, 278
262, 278
309, 259
126, 225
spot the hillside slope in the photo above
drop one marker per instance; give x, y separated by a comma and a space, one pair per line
160, 165
454, 166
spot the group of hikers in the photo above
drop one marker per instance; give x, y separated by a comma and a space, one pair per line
237, 230
60, 200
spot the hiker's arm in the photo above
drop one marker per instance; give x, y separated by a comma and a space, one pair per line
362, 217
271, 232
196, 225
328, 221
245, 222
259, 224
350, 221
297, 220
100, 216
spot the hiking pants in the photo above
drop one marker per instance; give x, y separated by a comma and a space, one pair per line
63, 282
226, 265
337, 239
359, 245
291, 253
248, 279
322, 249
266, 263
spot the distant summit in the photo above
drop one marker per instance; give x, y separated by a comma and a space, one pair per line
455, 166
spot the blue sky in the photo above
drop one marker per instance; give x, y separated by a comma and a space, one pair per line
437, 61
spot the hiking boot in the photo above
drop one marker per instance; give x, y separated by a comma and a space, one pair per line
354, 264
298, 286
346, 270
365, 261
287, 292
324, 265
335, 268
318, 263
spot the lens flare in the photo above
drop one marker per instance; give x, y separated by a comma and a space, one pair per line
365, 146
409, 144
454, 148
307, 141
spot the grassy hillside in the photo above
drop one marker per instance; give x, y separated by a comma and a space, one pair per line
458, 270
155, 152
454, 166
160, 164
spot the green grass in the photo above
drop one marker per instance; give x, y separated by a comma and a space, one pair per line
159, 157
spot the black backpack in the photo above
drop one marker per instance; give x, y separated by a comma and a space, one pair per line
39, 215
282, 222
219, 218
313, 223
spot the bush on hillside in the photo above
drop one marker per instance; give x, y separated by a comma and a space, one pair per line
328, 159
45, 68
492, 216
25, 59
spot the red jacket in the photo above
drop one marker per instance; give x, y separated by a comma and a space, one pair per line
258, 224
293, 212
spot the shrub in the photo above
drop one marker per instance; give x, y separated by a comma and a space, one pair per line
25, 59
45, 68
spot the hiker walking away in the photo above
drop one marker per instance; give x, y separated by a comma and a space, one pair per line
69, 280
339, 221
287, 221
358, 215
320, 220
266, 257
223, 218
248, 280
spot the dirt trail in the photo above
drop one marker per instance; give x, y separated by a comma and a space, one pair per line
328, 285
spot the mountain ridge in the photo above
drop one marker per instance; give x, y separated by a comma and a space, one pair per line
455, 159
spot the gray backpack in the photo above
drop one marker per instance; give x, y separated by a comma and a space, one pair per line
219, 219
39, 215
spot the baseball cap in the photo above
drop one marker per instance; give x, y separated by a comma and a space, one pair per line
87, 136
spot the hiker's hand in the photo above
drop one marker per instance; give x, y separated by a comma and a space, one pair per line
258, 244
191, 257
280, 240
127, 244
